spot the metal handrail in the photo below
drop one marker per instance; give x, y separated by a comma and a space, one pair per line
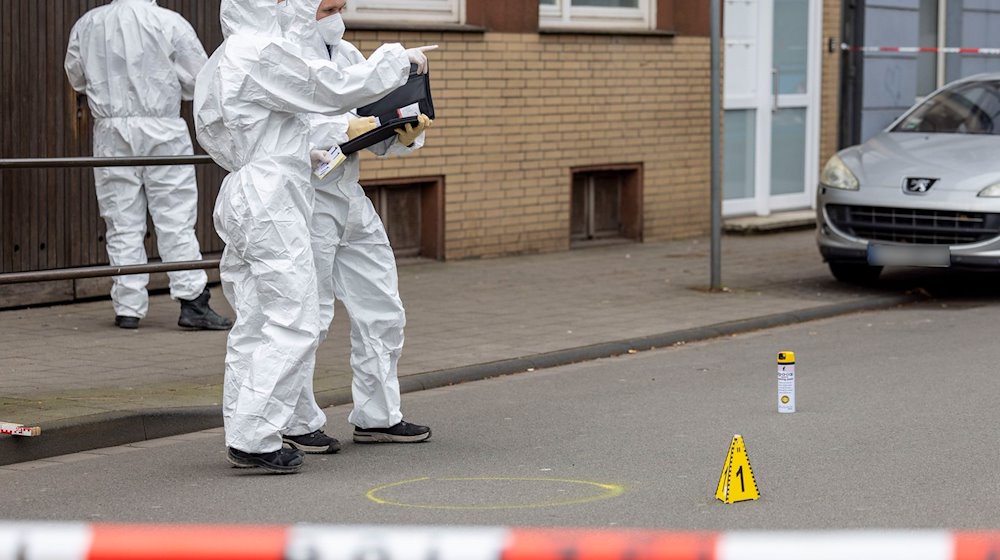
103, 271
47, 163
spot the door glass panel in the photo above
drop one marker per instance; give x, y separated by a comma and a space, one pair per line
739, 147
788, 152
741, 54
791, 45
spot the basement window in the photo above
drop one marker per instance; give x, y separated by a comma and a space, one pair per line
412, 211
409, 11
606, 204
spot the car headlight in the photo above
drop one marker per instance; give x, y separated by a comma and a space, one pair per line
992, 191
836, 175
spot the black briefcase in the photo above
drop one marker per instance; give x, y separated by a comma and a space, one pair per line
397, 109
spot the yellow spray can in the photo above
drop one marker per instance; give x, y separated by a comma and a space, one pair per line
786, 381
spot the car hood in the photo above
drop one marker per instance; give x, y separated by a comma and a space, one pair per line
960, 162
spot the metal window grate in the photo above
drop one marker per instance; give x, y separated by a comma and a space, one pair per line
908, 225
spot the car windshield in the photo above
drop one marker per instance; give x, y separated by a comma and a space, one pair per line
969, 108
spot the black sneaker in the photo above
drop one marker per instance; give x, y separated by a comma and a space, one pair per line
316, 442
282, 461
126, 322
404, 432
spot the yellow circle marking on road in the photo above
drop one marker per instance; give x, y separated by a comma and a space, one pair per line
607, 491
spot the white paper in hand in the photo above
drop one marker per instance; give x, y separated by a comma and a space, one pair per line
409, 111
337, 157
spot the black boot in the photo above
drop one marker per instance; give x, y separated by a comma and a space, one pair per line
196, 314
126, 322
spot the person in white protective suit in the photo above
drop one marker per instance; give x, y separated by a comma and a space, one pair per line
251, 105
354, 260
135, 62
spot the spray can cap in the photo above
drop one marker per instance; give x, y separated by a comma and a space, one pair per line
786, 357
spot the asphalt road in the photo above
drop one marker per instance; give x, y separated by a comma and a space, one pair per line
896, 428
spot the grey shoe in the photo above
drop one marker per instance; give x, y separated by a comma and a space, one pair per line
404, 432
315, 442
197, 315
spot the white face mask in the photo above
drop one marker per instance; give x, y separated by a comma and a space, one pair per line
332, 28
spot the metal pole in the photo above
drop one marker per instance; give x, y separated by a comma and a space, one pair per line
102, 271
942, 41
43, 163
716, 34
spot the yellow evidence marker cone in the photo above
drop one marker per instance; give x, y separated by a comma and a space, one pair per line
737, 483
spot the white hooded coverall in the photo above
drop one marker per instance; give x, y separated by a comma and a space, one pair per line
136, 62
251, 103
355, 263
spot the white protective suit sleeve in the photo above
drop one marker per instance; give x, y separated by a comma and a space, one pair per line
281, 80
74, 59
330, 131
326, 132
189, 58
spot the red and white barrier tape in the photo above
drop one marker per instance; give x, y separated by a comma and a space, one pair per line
12, 429
945, 50
24, 541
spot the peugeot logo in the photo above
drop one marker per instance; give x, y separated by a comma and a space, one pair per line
917, 185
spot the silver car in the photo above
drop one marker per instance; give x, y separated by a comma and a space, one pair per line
923, 192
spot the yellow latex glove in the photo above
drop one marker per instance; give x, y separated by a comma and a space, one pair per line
408, 136
359, 126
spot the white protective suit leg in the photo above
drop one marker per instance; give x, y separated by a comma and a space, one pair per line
355, 263
366, 281
172, 194
269, 275
122, 204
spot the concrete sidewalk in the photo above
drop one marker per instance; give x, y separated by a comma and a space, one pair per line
89, 384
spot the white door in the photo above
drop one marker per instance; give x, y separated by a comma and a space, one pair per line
772, 97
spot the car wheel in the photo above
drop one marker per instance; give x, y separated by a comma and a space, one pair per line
854, 273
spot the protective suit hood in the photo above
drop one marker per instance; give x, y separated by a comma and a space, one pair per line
303, 30
250, 17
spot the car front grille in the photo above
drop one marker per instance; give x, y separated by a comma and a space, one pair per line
907, 225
